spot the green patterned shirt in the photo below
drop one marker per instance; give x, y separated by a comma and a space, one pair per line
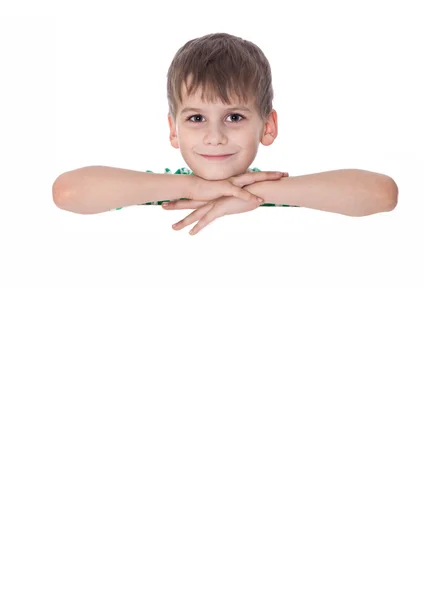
184, 171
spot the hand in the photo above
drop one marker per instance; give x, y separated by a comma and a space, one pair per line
204, 190
209, 211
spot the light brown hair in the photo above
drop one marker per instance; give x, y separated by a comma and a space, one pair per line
224, 66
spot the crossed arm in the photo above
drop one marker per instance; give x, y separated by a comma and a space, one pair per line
351, 192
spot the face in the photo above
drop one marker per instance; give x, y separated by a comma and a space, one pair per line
217, 128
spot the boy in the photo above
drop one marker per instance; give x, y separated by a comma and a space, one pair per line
220, 96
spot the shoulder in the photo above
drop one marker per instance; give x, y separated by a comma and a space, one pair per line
180, 171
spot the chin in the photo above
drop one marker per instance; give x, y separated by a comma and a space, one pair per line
216, 171
214, 176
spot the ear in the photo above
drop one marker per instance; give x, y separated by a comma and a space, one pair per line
173, 136
270, 129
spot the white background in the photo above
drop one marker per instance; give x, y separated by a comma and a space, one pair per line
241, 414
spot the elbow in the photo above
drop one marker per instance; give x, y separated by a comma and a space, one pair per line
391, 194
385, 199
59, 193
63, 197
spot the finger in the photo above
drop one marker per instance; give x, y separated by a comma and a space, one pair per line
192, 217
246, 195
272, 173
248, 178
264, 175
210, 216
183, 204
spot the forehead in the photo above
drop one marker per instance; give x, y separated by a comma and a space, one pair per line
196, 99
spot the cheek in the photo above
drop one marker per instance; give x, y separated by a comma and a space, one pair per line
186, 134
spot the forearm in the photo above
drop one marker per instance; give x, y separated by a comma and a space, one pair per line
351, 192
96, 189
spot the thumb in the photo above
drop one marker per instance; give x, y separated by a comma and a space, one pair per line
243, 179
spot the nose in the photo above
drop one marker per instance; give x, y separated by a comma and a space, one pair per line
214, 134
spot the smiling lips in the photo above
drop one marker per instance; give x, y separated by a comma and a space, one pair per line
216, 156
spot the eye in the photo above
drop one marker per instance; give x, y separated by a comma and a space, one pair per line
231, 115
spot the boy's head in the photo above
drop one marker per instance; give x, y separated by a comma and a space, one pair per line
210, 75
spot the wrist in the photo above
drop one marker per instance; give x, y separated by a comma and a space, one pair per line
189, 187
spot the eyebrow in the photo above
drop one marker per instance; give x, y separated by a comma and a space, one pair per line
229, 108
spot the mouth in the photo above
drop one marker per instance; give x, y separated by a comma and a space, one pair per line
216, 156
